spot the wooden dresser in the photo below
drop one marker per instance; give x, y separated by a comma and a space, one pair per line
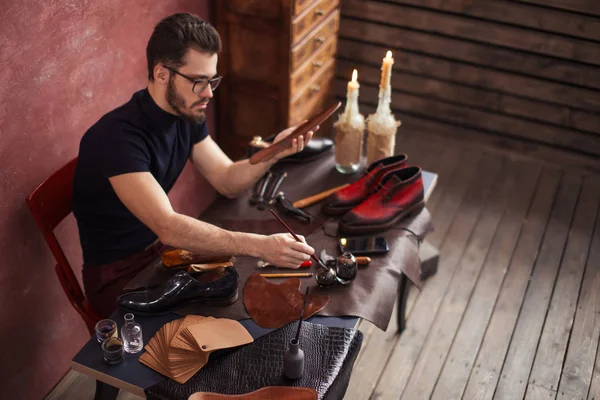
278, 64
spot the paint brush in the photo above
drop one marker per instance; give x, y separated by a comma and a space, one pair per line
302, 315
314, 257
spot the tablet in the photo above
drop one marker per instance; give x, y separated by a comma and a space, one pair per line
302, 129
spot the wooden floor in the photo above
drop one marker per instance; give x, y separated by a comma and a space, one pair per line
513, 311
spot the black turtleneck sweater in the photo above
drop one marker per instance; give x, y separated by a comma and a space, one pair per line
136, 137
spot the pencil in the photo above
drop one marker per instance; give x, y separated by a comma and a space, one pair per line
289, 275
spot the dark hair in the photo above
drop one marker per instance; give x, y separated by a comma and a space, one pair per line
174, 35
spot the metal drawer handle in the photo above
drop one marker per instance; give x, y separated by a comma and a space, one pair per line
315, 89
320, 12
317, 64
320, 39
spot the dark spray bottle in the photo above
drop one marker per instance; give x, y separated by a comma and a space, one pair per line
293, 358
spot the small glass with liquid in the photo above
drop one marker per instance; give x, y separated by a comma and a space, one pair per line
112, 350
105, 329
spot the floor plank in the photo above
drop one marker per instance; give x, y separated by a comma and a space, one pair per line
517, 366
552, 348
409, 345
583, 344
484, 376
452, 196
460, 359
77, 386
441, 334
449, 160
376, 351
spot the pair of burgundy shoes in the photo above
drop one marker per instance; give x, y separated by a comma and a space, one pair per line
388, 192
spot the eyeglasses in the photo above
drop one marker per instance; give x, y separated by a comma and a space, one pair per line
199, 85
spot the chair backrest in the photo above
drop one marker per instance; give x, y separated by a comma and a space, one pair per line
50, 203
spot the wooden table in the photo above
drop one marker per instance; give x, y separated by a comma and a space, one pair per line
134, 377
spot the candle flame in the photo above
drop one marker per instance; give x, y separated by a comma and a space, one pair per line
354, 75
388, 54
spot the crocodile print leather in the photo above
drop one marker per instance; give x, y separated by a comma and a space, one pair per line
329, 354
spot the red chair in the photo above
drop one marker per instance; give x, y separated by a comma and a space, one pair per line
50, 203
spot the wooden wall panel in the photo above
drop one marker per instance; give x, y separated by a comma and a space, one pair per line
502, 68
524, 15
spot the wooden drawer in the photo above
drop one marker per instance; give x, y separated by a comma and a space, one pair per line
270, 9
317, 105
311, 17
319, 87
303, 50
312, 66
301, 5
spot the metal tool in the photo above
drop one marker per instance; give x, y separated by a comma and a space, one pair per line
290, 209
259, 189
269, 198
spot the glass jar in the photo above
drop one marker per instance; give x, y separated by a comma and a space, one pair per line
132, 335
346, 268
349, 133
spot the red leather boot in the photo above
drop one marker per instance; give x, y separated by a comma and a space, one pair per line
345, 199
400, 196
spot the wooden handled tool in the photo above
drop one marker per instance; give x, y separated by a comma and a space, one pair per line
207, 267
362, 260
317, 197
290, 275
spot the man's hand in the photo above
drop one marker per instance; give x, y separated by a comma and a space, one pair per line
282, 250
297, 144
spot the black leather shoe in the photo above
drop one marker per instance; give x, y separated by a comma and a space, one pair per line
314, 148
214, 287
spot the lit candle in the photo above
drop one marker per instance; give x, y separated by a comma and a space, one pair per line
386, 71
351, 110
353, 84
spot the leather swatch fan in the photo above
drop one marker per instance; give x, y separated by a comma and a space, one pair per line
181, 347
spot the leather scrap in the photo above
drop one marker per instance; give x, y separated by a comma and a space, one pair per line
266, 393
273, 306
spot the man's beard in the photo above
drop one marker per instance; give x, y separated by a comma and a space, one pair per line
178, 104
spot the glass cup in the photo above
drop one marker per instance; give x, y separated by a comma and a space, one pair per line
105, 329
112, 350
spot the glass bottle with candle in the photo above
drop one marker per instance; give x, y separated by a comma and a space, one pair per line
349, 129
382, 125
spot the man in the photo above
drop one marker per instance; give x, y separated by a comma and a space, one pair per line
130, 159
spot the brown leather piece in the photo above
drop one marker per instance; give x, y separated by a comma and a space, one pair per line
371, 295
273, 306
266, 393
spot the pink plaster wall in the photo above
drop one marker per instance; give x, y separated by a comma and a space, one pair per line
63, 64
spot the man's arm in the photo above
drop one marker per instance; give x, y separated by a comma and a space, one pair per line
233, 178
146, 199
